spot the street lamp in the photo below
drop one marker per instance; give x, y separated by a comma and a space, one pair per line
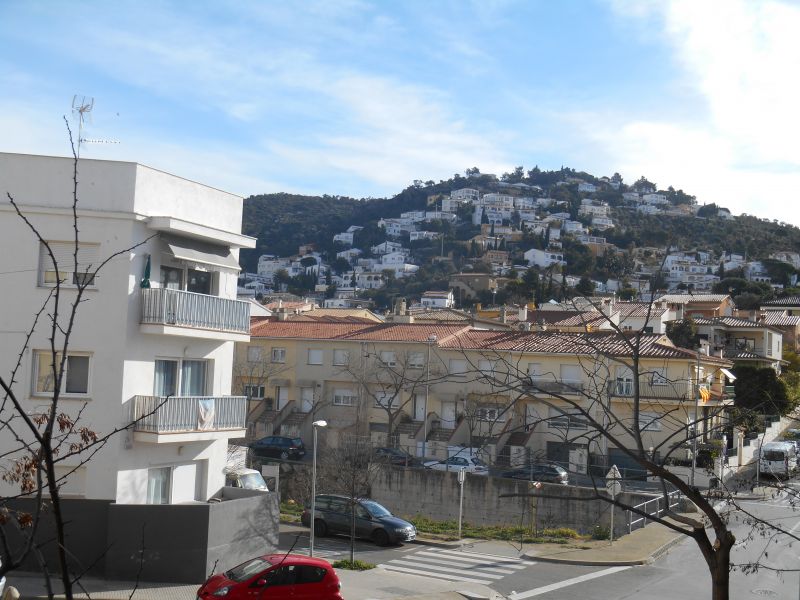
431, 341
314, 426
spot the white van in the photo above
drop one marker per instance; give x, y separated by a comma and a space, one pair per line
778, 459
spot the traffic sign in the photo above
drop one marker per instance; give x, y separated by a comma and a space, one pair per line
613, 481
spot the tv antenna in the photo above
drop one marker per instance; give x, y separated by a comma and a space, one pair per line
82, 111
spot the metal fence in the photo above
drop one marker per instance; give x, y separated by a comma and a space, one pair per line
154, 414
654, 507
163, 306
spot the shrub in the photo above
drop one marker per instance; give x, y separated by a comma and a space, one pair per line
356, 565
601, 532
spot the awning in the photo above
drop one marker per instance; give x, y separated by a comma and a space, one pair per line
728, 374
200, 252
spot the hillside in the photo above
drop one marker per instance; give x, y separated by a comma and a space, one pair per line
282, 222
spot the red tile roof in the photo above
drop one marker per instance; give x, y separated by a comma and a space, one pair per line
389, 332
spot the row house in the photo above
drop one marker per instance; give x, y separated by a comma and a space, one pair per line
516, 394
743, 341
153, 341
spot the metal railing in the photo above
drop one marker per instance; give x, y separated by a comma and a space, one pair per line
648, 389
154, 414
654, 507
563, 386
162, 306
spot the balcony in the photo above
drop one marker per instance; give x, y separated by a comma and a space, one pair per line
669, 390
551, 386
188, 418
187, 314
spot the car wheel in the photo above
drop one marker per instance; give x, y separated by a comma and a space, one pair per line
320, 528
380, 537
284, 455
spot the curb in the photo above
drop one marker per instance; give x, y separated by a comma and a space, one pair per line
443, 543
651, 558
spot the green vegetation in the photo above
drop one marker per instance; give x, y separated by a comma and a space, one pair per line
291, 511
601, 532
354, 565
449, 530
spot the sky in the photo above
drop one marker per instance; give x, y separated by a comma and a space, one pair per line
360, 98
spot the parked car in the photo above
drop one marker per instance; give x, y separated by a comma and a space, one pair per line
275, 576
248, 479
373, 521
472, 464
546, 473
278, 446
395, 456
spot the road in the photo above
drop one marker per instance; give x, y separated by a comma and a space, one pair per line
681, 573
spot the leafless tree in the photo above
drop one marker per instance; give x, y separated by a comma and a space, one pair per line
615, 405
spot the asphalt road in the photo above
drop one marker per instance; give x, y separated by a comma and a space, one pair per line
682, 573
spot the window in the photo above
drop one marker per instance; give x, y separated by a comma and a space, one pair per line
279, 355
344, 397
254, 391
490, 413
385, 399
457, 366
254, 354
566, 419
76, 373
624, 383
175, 377
534, 370
341, 357
571, 376
416, 360
388, 358
67, 273
158, 485
769, 343
659, 377
649, 422
314, 357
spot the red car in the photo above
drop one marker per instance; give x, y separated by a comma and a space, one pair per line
275, 577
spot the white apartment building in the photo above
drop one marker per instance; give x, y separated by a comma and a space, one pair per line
466, 195
544, 258
163, 353
500, 201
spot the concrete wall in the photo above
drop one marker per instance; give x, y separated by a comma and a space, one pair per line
185, 543
409, 492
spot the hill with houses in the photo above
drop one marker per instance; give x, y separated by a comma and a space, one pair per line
534, 235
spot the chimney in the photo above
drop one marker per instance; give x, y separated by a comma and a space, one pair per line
523, 313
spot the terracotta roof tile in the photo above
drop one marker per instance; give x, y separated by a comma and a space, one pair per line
394, 332
776, 319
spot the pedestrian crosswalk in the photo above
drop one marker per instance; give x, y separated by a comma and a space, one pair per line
457, 565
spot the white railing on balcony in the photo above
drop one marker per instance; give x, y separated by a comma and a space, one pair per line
162, 306
563, 386
154, 414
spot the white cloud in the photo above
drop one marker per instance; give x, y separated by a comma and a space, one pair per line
741, 58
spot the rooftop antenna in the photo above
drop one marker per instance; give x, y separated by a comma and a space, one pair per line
82, 111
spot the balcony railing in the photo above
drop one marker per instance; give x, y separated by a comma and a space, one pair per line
181, 414
672, 390
162, 306
564, 386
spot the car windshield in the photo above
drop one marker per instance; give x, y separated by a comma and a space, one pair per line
252, 481
478, 462
774, 455
375, 509
248, 569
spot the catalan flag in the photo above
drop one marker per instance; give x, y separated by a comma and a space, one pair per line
705, 394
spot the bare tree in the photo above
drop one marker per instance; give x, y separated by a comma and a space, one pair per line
624, 393
45, 440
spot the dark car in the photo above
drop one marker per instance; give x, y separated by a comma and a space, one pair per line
539, 472
396, 457
278, 446
373, 521
278, 576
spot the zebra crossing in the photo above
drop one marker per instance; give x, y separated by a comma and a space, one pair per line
457, 565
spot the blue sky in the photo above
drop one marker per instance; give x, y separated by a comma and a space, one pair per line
360, 98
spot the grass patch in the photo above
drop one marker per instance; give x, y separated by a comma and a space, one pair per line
449, 530
291, 511
355, 565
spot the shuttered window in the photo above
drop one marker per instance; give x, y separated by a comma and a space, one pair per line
64, 270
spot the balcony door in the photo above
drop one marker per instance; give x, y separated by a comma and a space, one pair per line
180, 378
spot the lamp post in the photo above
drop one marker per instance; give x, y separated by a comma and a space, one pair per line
431, 341
314, 426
